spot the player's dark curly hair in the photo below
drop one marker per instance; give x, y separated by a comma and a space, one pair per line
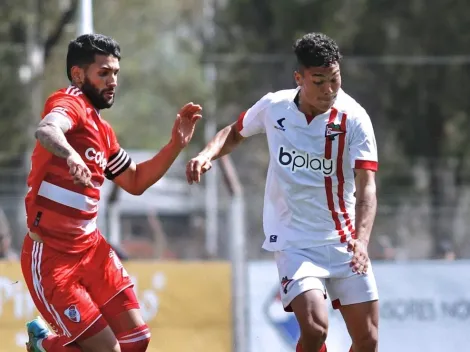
82, 51
316, 50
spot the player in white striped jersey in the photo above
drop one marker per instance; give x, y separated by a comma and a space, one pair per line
320, 195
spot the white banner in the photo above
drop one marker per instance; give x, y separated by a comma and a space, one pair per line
424, 306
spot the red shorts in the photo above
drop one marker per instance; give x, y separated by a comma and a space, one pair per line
69, 289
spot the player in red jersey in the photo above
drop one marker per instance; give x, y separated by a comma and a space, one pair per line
77, 282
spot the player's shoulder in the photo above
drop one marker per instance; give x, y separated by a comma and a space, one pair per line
107, 125
284, 95
70, 96
348, 105
279, 97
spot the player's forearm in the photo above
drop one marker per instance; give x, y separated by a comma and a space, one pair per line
52, 138
149, 172
223, 143
366, 207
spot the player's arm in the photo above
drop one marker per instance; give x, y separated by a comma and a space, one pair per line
366, 203
363, 158
222, 144
138, 177
50, 133
226, 140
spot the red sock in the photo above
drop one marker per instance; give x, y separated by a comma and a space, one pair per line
54, 343
299, 348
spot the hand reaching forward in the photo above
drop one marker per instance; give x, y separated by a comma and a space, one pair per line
185, 123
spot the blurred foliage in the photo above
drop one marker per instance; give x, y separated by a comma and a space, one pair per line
25, 25
160, 66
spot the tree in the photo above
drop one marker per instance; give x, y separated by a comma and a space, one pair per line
30, 30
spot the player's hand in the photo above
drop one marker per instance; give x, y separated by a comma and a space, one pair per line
196, 167
80, 172
360, 260
185, 123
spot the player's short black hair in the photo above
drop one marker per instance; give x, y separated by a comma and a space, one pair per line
316, 50
83, 49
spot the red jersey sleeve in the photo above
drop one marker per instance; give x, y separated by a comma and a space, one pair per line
119, 160
67, 105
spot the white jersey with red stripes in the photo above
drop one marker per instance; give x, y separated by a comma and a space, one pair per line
63, 213
309, 196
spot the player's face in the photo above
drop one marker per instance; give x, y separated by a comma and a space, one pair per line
100, 81
319, 86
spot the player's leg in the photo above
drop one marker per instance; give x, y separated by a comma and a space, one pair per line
362, 321
312, 315
123, 315
111, 289
303, 292
356, 296
63, 302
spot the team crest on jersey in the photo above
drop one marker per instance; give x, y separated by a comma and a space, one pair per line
332, 130
73, 314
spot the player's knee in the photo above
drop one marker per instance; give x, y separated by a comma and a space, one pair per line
312, 317
314, 333
367, 341
136, 341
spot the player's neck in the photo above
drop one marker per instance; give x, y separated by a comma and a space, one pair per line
306, 108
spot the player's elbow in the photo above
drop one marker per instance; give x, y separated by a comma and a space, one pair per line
136, 191
44, 130
41, 132
133, 189
235, 135
138, 188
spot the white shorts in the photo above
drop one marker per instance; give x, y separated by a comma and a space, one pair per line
324, 268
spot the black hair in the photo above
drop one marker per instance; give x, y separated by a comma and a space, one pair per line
316, 50
82, 51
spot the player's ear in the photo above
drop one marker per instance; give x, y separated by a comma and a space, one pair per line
78, 75
298, 78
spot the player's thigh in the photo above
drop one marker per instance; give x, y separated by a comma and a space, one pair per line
302, 274
311, 312
104, 275
56, 290
346, 288
300, 270
356, 296
362, 321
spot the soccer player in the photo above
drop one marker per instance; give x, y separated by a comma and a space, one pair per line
75, 278
320, 196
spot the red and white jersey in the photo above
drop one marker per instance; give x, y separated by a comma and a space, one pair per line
62, 213
309, 196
